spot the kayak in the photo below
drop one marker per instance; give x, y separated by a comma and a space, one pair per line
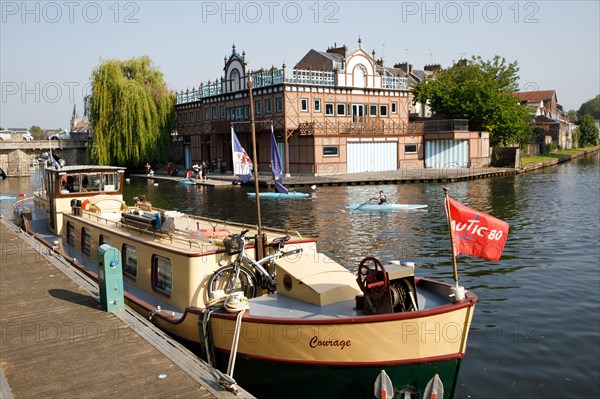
383, 207
187, 181
291, 194
6, 197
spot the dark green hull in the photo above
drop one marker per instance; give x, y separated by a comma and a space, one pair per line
285, 380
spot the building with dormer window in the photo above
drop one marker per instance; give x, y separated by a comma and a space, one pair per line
336, 111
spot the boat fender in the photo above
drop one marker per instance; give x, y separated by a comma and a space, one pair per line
85, 204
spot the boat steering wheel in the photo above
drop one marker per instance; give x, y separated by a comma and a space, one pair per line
372, 280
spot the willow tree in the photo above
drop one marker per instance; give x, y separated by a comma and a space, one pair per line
131, 111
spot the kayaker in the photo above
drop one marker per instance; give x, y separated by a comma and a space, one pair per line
381, 198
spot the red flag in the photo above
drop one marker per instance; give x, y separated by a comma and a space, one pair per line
476, 233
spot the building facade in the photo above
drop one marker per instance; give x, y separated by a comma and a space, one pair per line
335, 111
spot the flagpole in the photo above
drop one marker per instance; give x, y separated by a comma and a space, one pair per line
260, 238
447, 204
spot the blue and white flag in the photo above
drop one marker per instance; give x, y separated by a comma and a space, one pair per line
276, 167
242, 164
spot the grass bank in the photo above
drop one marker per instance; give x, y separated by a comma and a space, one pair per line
535, 159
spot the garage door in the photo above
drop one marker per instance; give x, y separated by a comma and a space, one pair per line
374, 156
445, 154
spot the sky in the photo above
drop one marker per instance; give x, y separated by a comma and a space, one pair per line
48, 49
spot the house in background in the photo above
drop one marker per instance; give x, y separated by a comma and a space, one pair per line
336, 111
548, 115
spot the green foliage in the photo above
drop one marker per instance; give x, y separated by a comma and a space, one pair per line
587, 131
590, 107
37, 132
481, 91
131, 111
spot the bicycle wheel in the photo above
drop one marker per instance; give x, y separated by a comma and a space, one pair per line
225, 279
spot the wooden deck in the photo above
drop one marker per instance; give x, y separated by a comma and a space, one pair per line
56, 342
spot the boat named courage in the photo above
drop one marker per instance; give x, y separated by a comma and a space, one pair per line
316, 342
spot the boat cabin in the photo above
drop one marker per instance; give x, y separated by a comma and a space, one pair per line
65, 186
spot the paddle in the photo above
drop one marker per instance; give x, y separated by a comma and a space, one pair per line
361, 205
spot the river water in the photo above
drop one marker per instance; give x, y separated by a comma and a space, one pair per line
536, 328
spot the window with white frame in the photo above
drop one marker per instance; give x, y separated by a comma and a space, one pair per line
331, 151
341, 109
373, 110
278, 105
383, 110
329, 109
410, 148
304, 104
317, 105
267, 105
394, 108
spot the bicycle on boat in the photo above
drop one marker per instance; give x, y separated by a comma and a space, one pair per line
239, 277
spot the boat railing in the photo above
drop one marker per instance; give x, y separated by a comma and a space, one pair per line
191, 236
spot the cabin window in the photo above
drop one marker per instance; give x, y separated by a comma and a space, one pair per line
111, 181
278, 105
90, 182
410, 148
304, 104
331, 151
70, 233
383, 110
104, 240
317, 105
86, 241
267, 106
162, 274
341, 109
130, 260
394, 108
372, 110
329, 109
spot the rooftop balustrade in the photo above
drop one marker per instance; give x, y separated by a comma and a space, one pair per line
273, 76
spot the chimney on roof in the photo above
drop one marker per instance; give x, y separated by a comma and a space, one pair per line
338, 50
404, 66
433, 67
462, 62
379, 62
